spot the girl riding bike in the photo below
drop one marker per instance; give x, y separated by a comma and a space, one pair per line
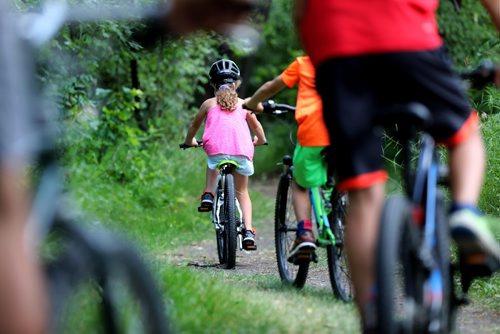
227, 137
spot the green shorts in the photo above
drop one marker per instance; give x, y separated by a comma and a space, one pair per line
309, 166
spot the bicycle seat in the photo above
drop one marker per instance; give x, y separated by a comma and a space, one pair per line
407, 115
227, 166
287, 160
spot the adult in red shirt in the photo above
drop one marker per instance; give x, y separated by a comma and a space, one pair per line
371, 54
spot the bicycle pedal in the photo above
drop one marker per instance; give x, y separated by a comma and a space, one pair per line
471, 268
302, 257
250, 246
463, 300
204, 209
315, 257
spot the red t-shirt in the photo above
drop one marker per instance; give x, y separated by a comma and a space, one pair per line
332, 28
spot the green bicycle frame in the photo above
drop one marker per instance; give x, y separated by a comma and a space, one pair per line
321, 208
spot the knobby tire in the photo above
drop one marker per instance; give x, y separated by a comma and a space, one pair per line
340, 276
394, 265
112, 268
230, 233
283, 220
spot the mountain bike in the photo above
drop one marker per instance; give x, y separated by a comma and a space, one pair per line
79, 259
417, 292
329, 208
226, 214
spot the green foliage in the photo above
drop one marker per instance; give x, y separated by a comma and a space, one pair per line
471, 37
469, 33
279, 48
490, 195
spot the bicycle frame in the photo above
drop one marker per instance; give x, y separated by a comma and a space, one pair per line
321, 205
424, 197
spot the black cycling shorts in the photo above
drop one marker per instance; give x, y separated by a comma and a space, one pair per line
354, 89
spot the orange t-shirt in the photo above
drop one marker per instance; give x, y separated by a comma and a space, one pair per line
309, 108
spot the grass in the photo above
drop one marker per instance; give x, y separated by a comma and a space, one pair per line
223, 302
202, 301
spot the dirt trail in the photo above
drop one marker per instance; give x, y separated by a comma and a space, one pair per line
473, 319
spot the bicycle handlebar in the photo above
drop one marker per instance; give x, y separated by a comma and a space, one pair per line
481, 76
271, 107
185, 146
200, 144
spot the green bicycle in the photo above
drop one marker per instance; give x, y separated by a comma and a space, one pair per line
329, 208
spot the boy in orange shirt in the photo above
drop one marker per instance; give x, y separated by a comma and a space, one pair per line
310, 168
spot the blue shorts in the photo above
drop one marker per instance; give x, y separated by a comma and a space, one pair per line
245, 166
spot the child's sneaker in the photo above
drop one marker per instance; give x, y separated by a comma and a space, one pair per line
249, 240
303, 247
207, 202
470, 231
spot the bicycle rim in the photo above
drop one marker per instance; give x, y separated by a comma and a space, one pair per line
340, 276
284, 236
230, 233
399, 275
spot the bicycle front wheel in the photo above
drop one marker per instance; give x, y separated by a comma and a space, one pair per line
284, 236
230, 234
400, 274
99, 269
340, 276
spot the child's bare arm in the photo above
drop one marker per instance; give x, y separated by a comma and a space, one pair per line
258, 130
268, 89
195, 125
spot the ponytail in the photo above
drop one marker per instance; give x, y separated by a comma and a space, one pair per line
226, 96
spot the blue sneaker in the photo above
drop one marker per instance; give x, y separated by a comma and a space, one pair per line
470, 231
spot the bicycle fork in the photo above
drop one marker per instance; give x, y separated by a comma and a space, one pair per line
425, 193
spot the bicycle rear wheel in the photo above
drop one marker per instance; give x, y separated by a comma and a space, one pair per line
98, 269
230, 233
219, 233
284, 236
340, 276
399, 273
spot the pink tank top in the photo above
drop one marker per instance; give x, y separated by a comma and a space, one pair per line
227, 132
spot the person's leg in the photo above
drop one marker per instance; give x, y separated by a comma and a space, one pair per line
207, 197
469, 227
362, 222
241, 188
301, 202
467, 169
210, 180
24, 301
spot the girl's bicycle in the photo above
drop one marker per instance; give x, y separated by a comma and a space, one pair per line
328, 207
226, 214
417, 292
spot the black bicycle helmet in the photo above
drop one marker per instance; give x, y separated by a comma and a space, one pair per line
224, 71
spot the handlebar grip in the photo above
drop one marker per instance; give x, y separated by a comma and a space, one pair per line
185, 146
269, 106
482, 75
